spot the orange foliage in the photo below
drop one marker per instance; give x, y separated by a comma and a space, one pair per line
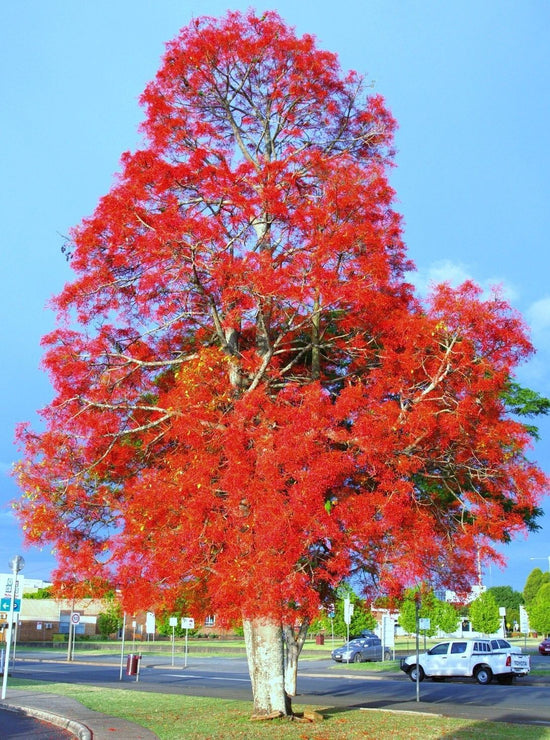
252, 404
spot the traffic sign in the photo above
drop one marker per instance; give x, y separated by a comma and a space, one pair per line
5, 605
75, 617
187, 623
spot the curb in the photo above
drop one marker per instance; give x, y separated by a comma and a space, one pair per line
76, 728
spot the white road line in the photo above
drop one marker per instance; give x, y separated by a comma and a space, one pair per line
209, 678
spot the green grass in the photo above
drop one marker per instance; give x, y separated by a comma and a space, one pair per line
174, 717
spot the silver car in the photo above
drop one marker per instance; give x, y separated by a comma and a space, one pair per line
361, 650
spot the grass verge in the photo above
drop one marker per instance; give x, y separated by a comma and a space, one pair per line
174, 717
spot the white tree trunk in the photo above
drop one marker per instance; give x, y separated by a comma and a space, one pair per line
264, 650
294, 640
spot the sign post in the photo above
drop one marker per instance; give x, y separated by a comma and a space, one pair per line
331, 615
388, 634
73, 621
122, 645
187, 623
502, 613
348, 612
417, 605
523, 622
11, 590
173, 625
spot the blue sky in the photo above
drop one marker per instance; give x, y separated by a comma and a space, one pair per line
468, 83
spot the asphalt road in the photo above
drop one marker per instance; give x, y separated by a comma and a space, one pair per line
14, 725
320, 683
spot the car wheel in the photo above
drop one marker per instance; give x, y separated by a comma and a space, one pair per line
412, 673
483, 675
357, 658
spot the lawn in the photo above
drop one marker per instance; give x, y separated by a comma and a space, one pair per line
174, 717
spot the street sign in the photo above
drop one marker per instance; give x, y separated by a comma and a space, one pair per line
187, 623
6, 585
523, 620
75, 617
348, 611
150, 623
5, 605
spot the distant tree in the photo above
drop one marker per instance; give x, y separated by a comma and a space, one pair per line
110, 620
484, 614
361, 619
506, 596
108, 623
41, 593
446, 616
539, 610
165, 628
408, 613
535, 580
442, 615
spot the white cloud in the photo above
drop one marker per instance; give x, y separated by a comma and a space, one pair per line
538, 316
455, 273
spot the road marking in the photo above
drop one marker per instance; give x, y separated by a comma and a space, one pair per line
209, 678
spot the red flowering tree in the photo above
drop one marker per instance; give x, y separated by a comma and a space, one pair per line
250, 403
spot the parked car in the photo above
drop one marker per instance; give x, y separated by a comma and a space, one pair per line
361, 650
544, 647
461, 658
365, 633
500, 645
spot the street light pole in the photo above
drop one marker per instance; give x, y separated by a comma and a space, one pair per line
16, 564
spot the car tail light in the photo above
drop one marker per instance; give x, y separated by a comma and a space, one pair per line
509, 661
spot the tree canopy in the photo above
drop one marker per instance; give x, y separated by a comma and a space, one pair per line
535, 580
484, 613
442, 614
538, 610
250, 402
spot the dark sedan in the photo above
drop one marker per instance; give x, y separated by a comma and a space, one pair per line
544, 647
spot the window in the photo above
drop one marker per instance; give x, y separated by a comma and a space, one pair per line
458, 647
440, 649
210, 621
482, 647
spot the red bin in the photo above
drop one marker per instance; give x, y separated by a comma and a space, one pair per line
132, 664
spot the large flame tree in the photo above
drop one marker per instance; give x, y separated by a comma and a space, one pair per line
251, 404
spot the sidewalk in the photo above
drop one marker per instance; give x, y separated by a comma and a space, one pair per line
70, 714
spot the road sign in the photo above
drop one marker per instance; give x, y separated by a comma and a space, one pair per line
6, 586
523, 620
5, 605
187, 623
75, 617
